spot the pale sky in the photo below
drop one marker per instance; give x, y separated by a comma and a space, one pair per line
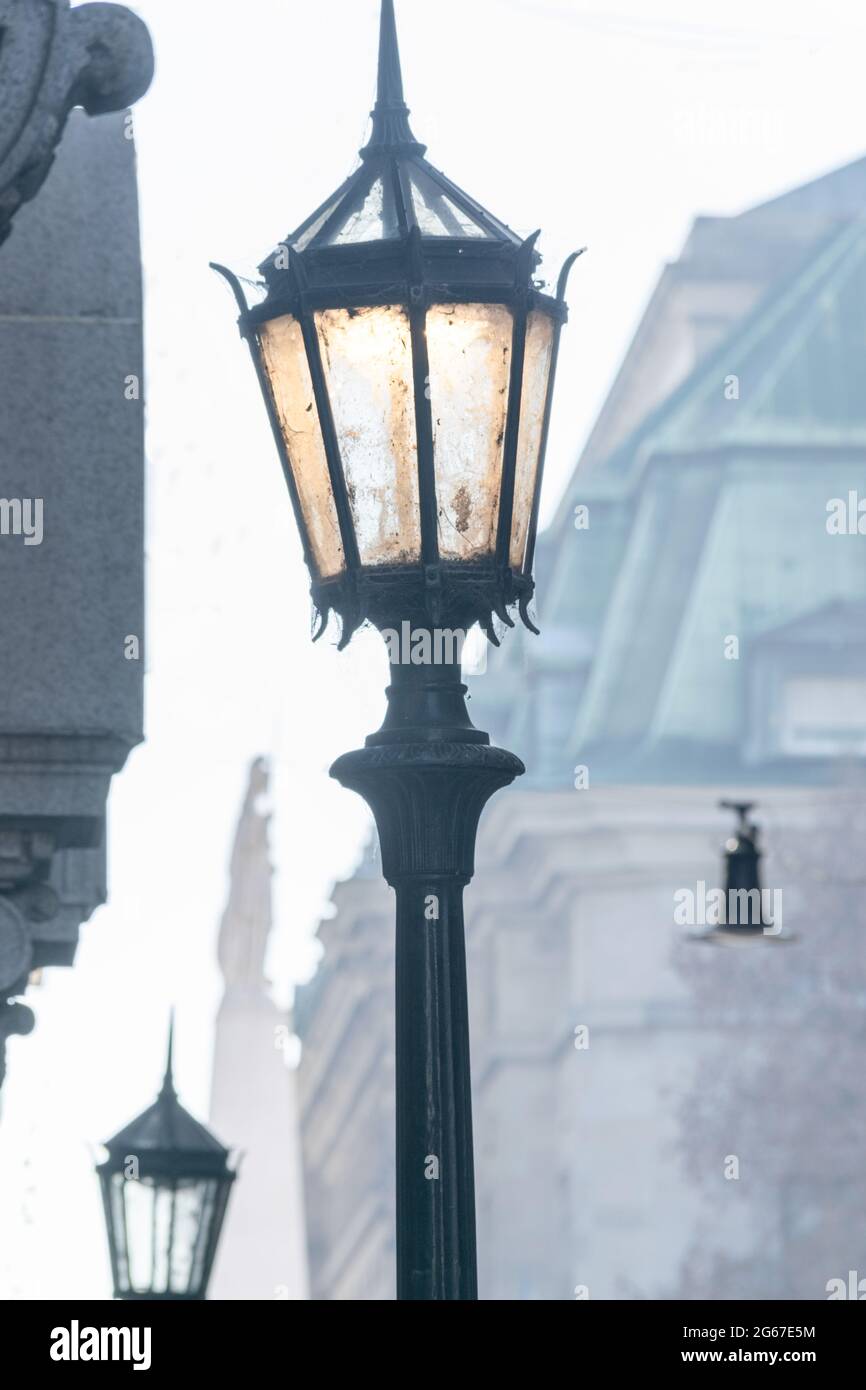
609, 124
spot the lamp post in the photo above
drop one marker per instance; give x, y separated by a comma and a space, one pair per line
745, 920
407, 360
165, 1187
743, 870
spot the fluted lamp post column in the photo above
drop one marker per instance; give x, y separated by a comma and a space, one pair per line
407, 358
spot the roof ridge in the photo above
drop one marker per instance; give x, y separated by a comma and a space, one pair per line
818, 259
803, 189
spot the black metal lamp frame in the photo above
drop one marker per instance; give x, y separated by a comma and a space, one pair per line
428, 773
166, 1171
416, 273
169, 1148
407, 266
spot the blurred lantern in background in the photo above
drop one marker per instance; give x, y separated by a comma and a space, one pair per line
747, 915
165, 1186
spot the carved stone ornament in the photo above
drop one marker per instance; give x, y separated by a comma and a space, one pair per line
15, 962
53, 58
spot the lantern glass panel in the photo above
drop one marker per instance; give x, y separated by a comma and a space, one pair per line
469, 347
436, 213
113, 1189
372, 221
367, 359
193, 1219
315, 227
536, 376
285, 362
162, 1231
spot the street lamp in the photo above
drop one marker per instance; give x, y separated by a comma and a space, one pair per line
165, 1186
745, 917
407, 356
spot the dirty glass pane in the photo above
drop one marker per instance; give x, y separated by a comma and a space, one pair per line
116, 1198
437, 215
367, 357
470, 362
287, 370
313, 230
369, 222
536, 374
147, 1232
193, 1213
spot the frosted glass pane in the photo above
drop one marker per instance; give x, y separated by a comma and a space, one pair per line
368, 222
287, 370
463, 220
118, 1224
208, 1215
163, 1213
312, 231
429, 221
140, 1212
536, 374
367, 357
470, 362
191, 1230
436, 214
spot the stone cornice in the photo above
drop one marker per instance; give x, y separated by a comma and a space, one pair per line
99, 750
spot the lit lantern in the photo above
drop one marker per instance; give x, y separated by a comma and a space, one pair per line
407, 360
407, 357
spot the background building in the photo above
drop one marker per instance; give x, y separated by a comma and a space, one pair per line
655, 1118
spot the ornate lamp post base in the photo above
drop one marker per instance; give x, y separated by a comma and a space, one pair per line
427, 776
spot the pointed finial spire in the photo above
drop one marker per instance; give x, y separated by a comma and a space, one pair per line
390, 91
391, 129
168, 1079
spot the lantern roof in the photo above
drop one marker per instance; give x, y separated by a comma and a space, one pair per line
165, 1138
395, 189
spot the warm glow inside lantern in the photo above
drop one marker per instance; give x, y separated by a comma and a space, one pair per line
407, 360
